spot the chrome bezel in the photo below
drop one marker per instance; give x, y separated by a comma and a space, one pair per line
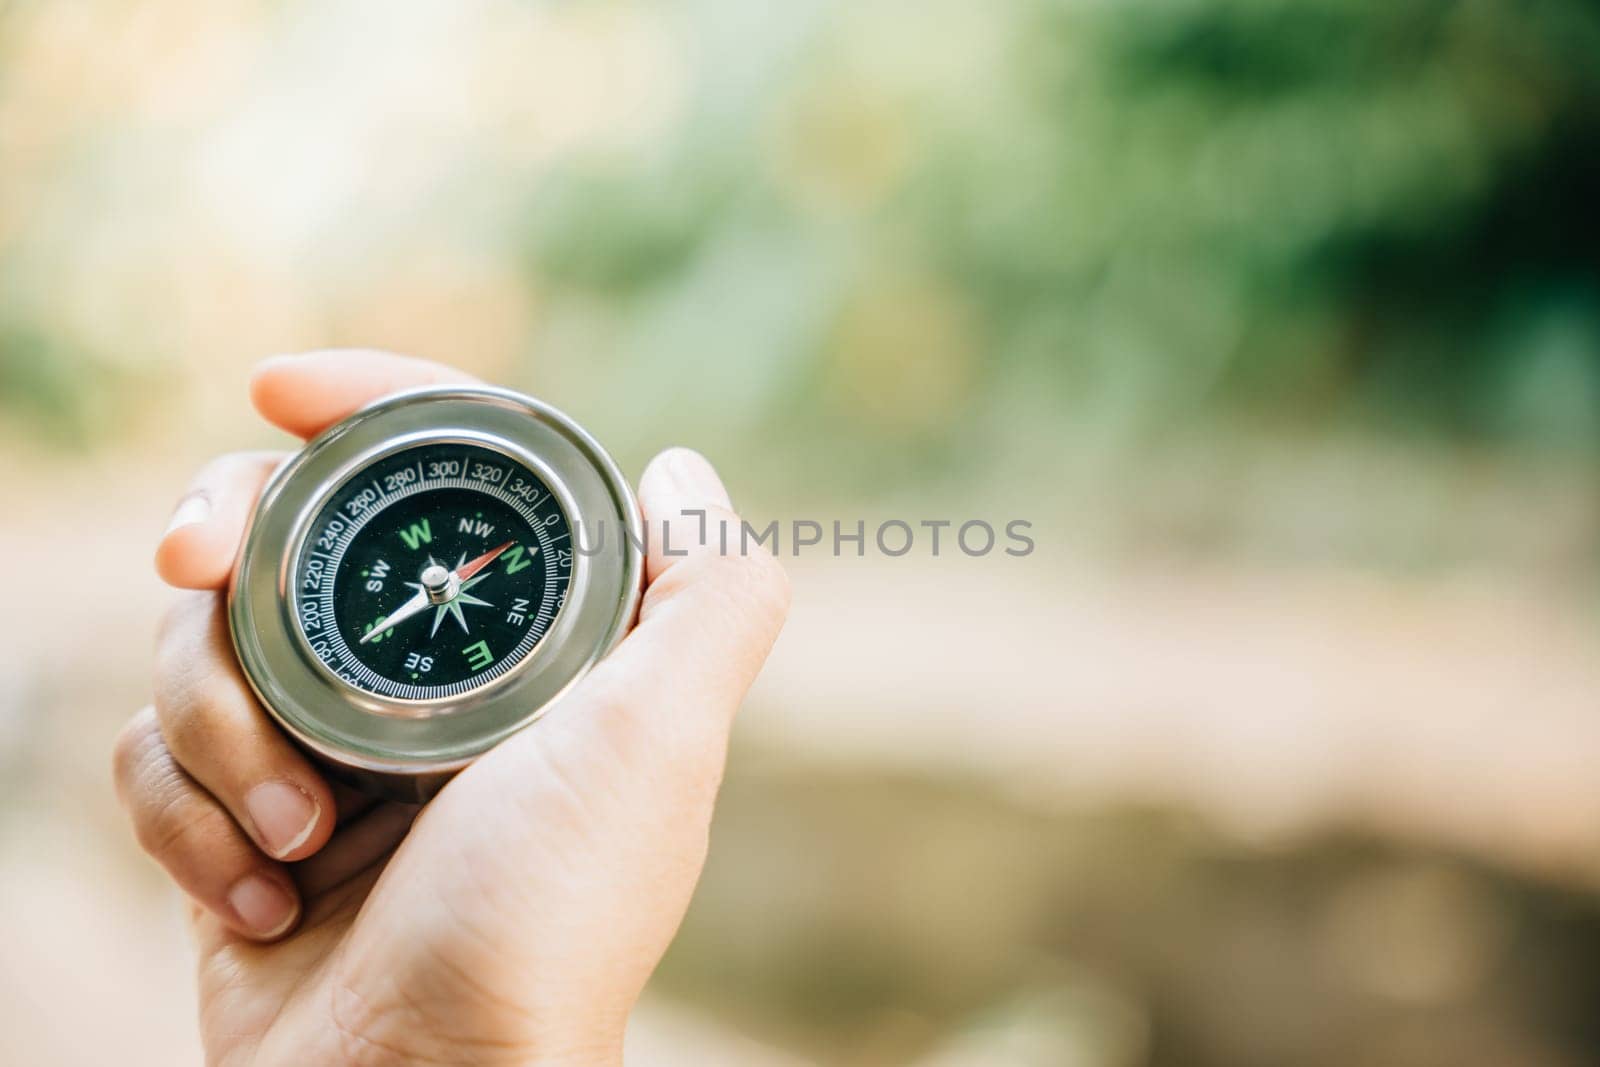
390, 737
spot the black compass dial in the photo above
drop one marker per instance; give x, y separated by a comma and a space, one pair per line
433, 571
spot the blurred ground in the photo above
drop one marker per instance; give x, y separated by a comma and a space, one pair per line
941, 771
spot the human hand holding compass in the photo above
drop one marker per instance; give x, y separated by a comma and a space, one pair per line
521, 913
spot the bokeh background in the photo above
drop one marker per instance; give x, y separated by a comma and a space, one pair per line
1279, 320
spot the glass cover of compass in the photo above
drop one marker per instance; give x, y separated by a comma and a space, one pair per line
434, 571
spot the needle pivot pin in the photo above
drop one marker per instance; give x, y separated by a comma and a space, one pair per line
437, 582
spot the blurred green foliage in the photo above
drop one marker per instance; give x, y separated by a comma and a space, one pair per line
955, 233
925, 226
57, 391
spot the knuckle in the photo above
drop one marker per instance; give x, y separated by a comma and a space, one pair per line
135, 743
169, 817
192, 695
190, 716
196, 696
164, 824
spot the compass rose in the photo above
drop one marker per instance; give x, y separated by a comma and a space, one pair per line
453, 605
445, 590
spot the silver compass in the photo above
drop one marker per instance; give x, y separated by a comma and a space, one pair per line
428, 576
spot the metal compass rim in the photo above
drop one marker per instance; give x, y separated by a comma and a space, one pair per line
411, 739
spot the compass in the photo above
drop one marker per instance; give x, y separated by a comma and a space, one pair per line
428, 577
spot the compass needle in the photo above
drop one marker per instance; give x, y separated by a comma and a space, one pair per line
400, 614
466, 571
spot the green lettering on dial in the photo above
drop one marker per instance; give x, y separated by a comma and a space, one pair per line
478, 656
515, 560
418, 533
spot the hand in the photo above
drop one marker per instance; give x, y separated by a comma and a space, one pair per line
516, 918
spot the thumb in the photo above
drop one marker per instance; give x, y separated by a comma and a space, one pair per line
714, 603
576, 844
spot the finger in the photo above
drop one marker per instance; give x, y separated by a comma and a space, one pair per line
686, 508
710, 585
203, 536
306, 394
349, 802
196, 841
713, 608
358, 845
222, 738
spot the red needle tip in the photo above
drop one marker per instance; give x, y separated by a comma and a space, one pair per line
473, 566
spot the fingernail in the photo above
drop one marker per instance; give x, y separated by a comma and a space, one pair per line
263, 905
192, 509
695, 478
284, 816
